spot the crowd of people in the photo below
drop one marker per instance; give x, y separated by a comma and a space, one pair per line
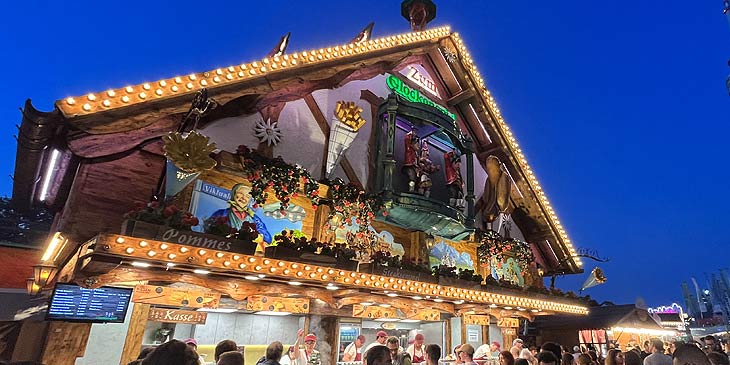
386, 350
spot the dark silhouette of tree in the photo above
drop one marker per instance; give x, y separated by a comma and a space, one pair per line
27, 229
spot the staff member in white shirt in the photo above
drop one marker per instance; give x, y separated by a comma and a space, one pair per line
380, 339
416, 350
353, 351
308, 355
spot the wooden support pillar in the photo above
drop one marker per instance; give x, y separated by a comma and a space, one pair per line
326, 328
485, 334
447, 333
464, 334
509, 334
320, 219
65, 342
135, 333
33, 334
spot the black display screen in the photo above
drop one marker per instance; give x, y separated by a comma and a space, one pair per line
73, 303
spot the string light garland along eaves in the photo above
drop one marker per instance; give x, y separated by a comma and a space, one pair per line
181, 85
175, 256
469, 65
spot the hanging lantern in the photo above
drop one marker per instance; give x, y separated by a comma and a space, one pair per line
44, 274
32, 287
430, 241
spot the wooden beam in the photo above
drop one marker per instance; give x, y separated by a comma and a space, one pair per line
373, 99
463, 96
235, 288
325, 127
486, 150
99, 145
65, 342
375, 102
135, 332
407, 306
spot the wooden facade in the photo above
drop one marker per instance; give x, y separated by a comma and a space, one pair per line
111, 156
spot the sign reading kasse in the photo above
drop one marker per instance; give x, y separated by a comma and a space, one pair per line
177, 316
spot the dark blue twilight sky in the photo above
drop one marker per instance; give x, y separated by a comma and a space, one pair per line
620, 106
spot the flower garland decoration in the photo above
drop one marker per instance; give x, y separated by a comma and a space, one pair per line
493, 245
284, 179
162, 213
488, 239
447, 271
299, 242
521, 250
219, 226
350, 201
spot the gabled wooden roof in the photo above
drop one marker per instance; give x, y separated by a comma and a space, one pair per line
625, 315
131, 109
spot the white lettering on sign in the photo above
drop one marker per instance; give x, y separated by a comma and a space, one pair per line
508, 322
195, 239
422, 80
177, 316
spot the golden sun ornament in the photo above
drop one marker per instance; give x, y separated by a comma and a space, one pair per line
189, 153
267, 132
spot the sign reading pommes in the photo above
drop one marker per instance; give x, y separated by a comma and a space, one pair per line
196, 239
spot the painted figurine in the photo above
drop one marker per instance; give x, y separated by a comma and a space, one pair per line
425, 168
410, 162
454, 180
495, 199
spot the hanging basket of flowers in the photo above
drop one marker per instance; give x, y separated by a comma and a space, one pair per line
351, 204
146, 219
493, 245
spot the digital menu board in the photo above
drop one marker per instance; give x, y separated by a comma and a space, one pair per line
73, 303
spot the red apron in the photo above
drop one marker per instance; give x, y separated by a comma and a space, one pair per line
418, 359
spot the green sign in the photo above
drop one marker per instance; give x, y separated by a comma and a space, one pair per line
413, 95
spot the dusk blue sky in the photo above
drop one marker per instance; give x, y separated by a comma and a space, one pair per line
620, 106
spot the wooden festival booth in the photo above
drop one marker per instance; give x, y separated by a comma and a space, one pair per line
389, 147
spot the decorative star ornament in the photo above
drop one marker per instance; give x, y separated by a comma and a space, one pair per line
267, 132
